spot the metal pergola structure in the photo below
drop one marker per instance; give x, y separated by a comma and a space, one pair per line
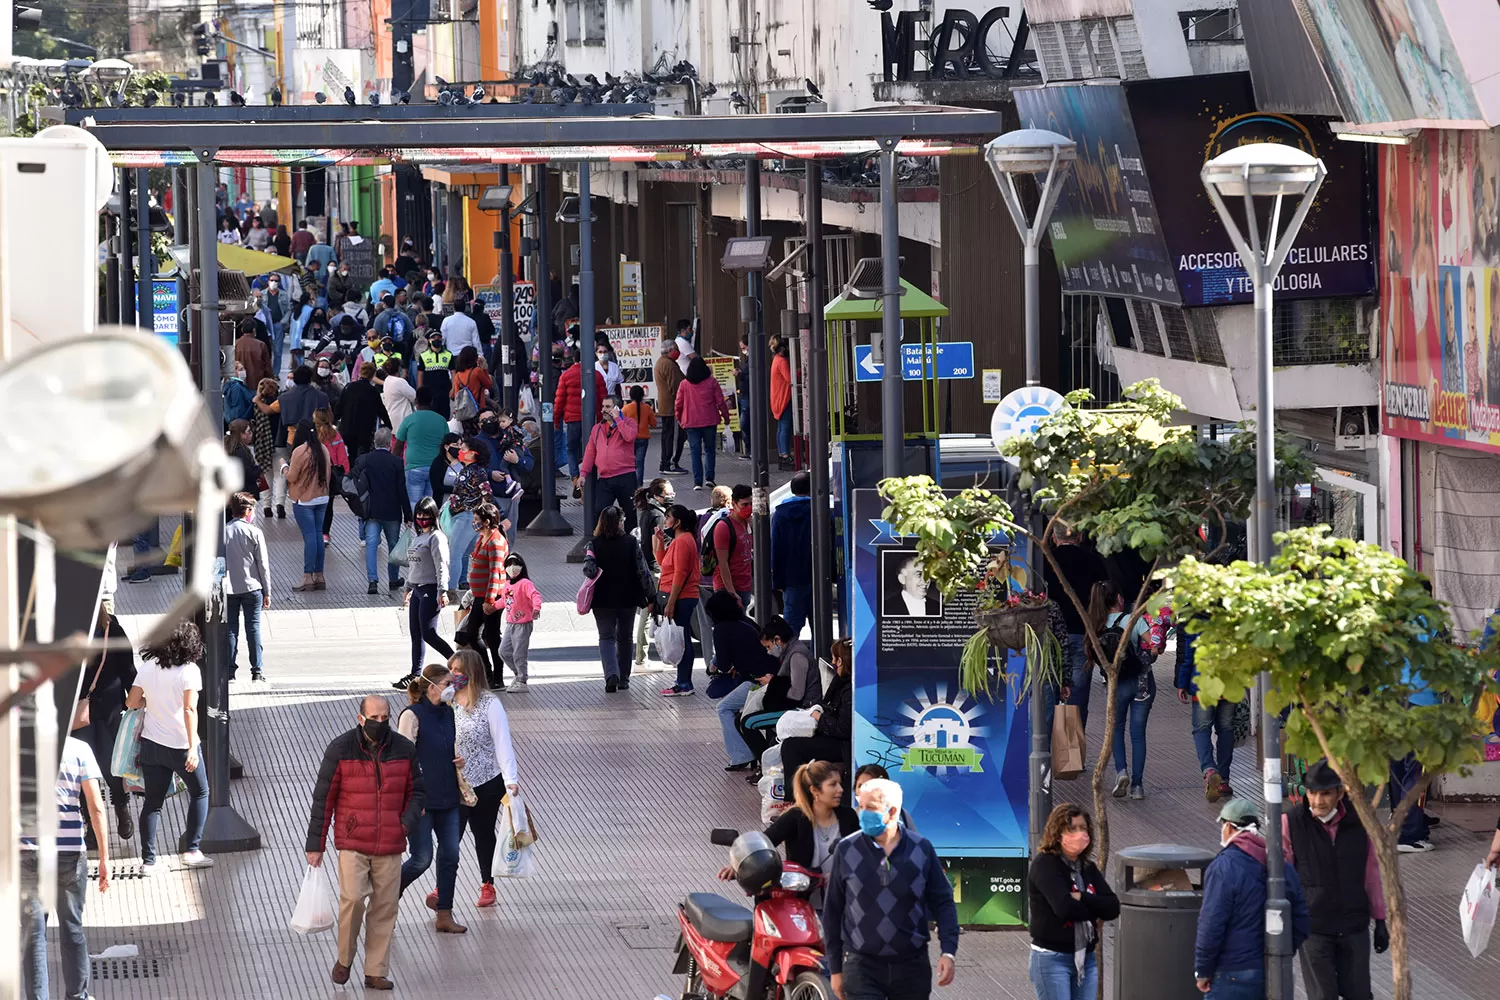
503, 134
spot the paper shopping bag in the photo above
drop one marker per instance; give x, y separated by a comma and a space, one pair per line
1067, 742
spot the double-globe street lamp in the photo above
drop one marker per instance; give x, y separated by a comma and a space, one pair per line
1274, 172
1045, 156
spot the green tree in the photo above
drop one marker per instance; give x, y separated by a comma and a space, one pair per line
1350, 634
1125, 476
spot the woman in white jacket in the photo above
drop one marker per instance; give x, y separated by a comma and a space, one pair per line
489, 758
399, 397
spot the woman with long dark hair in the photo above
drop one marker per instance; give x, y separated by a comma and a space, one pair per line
700, 409
835, 715
167, 683
1069, 898
651, 502
428, 721
237, 446
426, 574
480, 631
265, 431
1135, 690
676, 546
622, 583
308, 476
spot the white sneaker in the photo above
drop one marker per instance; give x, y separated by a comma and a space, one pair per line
197, 859
1420, 847
1122, 784
517, 686
152, 868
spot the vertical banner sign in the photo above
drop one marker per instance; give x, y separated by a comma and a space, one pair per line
635, 349
723, 370
632, 299
1440, 291
360, 256
960, 757
523, 305
489, 297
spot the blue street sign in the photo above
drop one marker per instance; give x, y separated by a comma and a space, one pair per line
954, 360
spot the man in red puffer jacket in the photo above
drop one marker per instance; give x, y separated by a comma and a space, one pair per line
370, 790
567, 406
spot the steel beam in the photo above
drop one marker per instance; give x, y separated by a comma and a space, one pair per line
818, 417
760, 411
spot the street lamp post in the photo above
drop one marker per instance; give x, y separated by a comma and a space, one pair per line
1045, 156
1266, 170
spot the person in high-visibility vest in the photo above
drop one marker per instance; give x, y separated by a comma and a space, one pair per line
434, 366
387, 350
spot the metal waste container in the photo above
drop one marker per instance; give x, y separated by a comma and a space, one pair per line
1161, 890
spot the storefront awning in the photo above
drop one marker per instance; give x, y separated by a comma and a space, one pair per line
252, 262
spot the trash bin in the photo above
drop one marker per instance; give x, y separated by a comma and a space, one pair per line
1161, 890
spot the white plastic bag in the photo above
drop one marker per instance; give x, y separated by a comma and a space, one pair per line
671, 643
772, 786
316, 909
771, 758
514, 861
798, 722
1476, 911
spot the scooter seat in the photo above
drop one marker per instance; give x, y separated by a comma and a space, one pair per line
717, 918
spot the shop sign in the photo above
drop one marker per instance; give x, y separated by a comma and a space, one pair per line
965, 44
1440, 297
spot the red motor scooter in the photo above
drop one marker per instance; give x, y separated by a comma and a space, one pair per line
774, 952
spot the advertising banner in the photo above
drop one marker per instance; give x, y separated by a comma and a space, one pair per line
522, 304
960, 758
723, 369
1105, 232
1440, 300
1181, 128
632, 300
164, 309
635, 349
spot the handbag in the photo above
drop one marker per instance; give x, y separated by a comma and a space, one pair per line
84, 717
585, 601
466, 792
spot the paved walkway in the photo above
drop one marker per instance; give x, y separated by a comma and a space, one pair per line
624, 789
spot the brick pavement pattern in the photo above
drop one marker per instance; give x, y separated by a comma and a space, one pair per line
624, 789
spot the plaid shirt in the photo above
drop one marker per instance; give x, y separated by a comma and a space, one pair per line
487, 568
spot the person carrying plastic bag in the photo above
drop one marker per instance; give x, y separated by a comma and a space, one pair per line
517, 839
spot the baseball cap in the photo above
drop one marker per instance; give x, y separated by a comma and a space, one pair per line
1239, 812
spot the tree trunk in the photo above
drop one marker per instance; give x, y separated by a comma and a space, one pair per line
1101, 815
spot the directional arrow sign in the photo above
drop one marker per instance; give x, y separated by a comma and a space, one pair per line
953, 360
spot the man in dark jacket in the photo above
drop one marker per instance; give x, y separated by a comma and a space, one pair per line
370, 781
1229, 956
299, 403
360, 410
791, 552
1325, 841
382, 476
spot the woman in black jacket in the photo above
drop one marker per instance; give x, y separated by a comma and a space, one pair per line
808, 833
106, 681
1068, 899
622, 584
830, 741
651, 503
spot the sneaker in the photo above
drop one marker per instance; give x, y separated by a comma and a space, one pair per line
697, 487
1213, 786
150, 869
486, 896
257, 677
518, 686
676, 691
402, 683
1122, 784
1137, 792
1433, 820
397, 584
709, 483
280, 512
742, 766
624, 683
373, 588
326, 539
1420, 847
197, 859
362, 542
611, 685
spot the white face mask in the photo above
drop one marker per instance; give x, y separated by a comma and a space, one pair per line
513, 571
324, 372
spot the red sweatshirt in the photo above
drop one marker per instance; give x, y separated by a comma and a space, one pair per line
611, 448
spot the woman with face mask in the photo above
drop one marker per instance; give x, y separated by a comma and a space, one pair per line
428, 721
426, 572
489, 760
1069, 898
265, 429
605, 364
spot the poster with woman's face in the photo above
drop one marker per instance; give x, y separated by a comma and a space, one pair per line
1449, 301
1486, 198
1423, 254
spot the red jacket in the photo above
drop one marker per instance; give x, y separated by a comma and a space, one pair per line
371, 795
781, 385
611, 450
568, 400
701, 404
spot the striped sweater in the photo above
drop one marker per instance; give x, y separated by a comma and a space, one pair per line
487, 568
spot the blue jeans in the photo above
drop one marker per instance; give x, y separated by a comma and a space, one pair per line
1133, 714
1080, 675
559, 447
784, 431
310, 520
418, 485
575, 445
447, 824
158, 764
1405, 773
1208, 723
278, 346
72, 886
884, 979
140, 544
729, 712
248, 605
1055, 976
796, 604
683, 615
701, 439
616, 640
1239, 984
641, 445
373, 530
460, 548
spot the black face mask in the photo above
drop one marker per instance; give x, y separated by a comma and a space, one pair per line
490, 427
376, 730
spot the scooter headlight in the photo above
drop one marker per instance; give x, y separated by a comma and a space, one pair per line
795, 881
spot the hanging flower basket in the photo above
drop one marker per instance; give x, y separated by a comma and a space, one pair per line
1006, 625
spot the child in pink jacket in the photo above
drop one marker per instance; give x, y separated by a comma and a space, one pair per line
523, 606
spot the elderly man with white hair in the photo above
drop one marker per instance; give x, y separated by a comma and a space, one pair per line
885, 887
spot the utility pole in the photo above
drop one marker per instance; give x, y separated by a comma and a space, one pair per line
818, 416
760, 405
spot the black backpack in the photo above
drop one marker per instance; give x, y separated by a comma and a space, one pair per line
1132, 663
355, 490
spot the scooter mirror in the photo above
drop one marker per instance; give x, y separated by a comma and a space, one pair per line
723, 837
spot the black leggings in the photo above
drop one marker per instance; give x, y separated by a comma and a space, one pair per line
482, 819
421, 622
481, 632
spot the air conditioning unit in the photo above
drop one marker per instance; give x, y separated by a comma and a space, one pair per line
670, 107
781, 101
1355, 428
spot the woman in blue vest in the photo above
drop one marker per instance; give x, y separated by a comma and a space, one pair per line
428, 722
